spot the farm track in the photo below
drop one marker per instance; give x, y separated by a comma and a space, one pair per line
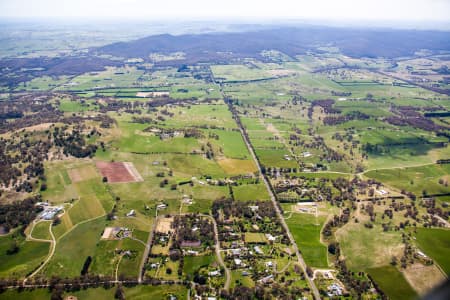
51, 253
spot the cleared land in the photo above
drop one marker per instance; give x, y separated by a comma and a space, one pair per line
117, 172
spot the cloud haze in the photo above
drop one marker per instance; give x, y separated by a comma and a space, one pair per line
372, 10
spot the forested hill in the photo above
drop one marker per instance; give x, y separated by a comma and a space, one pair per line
388, 43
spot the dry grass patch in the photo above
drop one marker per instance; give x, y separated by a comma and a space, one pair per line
164, 225
237, 166
423, 278
82, 173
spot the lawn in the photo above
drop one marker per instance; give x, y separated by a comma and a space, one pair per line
250, 192
255, 237
306, 231
392, 282
194, 263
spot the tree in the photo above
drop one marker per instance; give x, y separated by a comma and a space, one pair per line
168, 271
119, 294
13, 248
105, 179
309, 271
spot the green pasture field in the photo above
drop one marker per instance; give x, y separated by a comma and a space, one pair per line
214, 114
143, 292
275, 158
73, 248
415, 179
237, 73
435, 243
392, 282
44, 83
41, 231
250, 192
231, 143
246, 281
27, 259
67, 105
111, 77
140, 292
306, 231
193, 263
255, 237
365, 248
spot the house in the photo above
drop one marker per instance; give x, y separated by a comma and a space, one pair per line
132, 213
193, 244
258, 250
334, 290
253, 207
270, 237
192, 252
236, 252
237, 261
161, 206
214, 273
266, 279
269, 264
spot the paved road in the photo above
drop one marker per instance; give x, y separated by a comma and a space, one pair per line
219, 256
300, 259
147, 249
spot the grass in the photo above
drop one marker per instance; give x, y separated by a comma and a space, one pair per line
306, 231
368, 248
435, 243
392, 282
415, 179
250, 192
30, 255
37, 294
142, 292
255, 237
237, 166
41, 231
238, 73
193, 263
73, 249
67, 105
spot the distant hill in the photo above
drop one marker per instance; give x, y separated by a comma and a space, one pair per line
221, 46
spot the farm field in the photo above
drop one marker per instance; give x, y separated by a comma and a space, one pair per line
285, 170
392, 282
306, 230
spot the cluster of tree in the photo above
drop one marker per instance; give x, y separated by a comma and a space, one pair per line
183, 226
19, 213
353, 115
336, 221
325, 104
73, 143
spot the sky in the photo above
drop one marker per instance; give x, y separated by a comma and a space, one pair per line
345, 10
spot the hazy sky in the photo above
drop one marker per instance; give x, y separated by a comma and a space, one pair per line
372, 10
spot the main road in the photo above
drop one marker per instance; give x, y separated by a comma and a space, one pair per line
300, 259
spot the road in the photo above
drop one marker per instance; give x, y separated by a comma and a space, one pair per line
147, 249
219, 256
300, 259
